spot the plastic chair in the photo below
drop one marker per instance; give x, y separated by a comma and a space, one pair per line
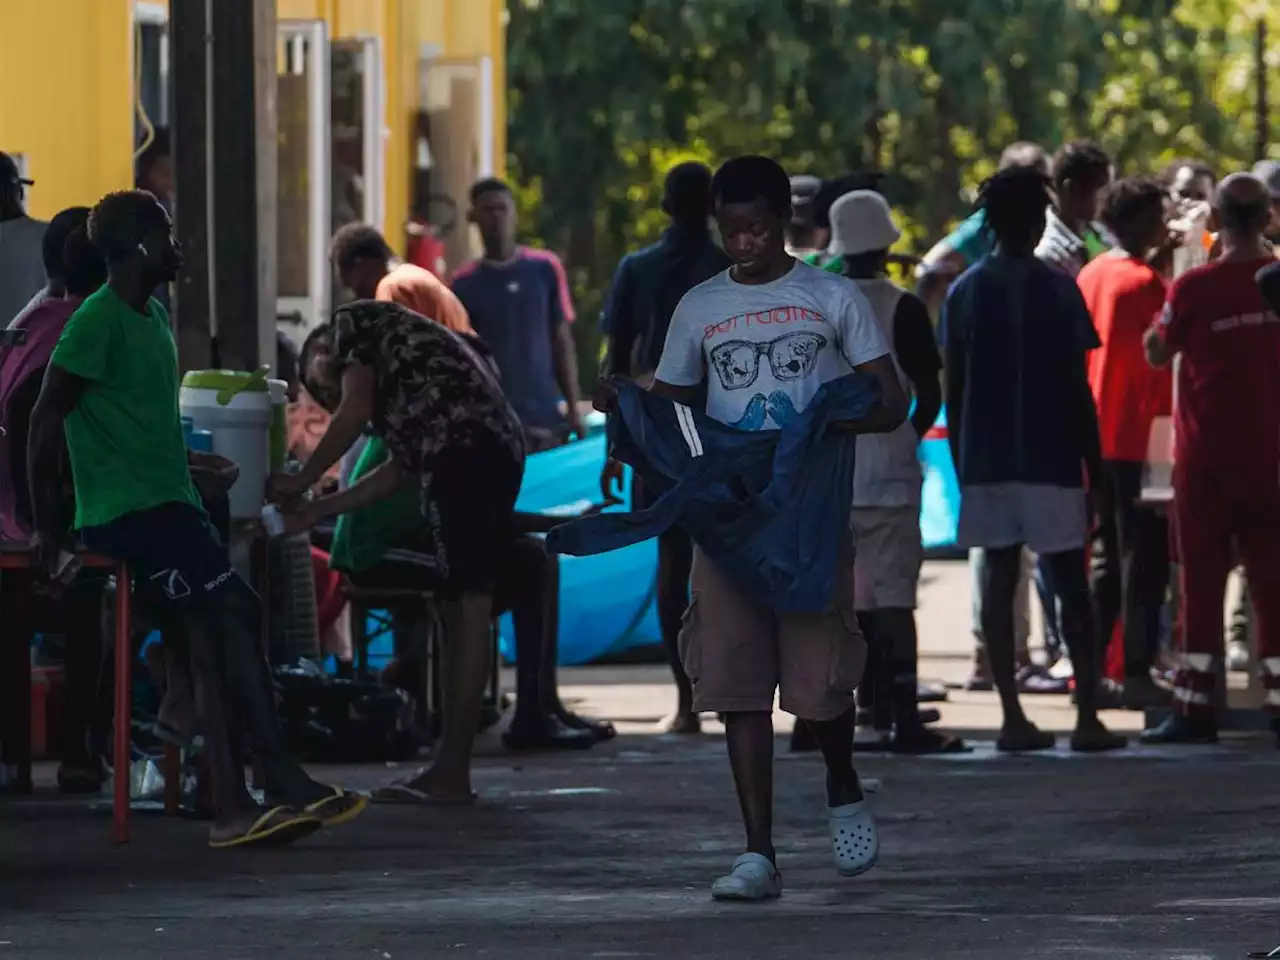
19, 557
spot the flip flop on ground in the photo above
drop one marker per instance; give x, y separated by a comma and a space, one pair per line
339, 807
276, 827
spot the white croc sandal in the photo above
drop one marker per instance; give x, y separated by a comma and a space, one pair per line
854, 838
752, 877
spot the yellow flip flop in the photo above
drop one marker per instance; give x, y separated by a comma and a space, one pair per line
275, 828
339, 807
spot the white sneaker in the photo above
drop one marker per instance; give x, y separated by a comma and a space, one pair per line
854, 838
753, 877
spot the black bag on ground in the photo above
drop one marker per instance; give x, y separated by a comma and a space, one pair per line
343, 721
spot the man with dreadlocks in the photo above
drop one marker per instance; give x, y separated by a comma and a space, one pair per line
1023, 434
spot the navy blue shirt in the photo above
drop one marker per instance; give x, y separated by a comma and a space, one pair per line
515, 308
646, 288
1019, 330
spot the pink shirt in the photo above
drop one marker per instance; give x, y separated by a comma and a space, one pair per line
43, 322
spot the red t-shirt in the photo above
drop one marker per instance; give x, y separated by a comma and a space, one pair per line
1227, 417
1124, 296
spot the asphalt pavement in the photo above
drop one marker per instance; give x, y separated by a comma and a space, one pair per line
1156, 853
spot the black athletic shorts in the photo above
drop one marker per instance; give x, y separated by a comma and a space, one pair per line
471, 498
173, 549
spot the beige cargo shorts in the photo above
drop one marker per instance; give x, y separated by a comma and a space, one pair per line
738, 652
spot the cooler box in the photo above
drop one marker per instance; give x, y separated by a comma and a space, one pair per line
244, 413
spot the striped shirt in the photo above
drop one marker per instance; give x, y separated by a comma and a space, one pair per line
1060, 246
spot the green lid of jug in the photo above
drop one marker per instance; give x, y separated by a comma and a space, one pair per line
228, 383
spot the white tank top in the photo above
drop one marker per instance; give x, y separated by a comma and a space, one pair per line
887, 472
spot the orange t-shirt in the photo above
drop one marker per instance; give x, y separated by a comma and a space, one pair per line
1124, 296
423, 292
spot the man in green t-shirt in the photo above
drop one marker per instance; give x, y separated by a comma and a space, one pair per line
112, 387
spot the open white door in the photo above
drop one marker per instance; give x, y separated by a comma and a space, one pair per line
305, 191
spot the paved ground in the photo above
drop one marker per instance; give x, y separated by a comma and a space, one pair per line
609, 854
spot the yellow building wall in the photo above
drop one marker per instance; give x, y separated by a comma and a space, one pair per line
76, 125
66, 97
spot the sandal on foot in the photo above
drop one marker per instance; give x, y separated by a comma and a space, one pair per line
1036, 679
1025, 740
928, 693
1097, 739
600, 730
680, 723
1177, 728
340, 806
854, 838
403, 793
872, 741
923, 742
752, 877
275, 828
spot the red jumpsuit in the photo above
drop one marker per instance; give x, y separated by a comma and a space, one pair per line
1227, 467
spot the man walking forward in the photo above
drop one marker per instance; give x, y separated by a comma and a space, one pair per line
761, 338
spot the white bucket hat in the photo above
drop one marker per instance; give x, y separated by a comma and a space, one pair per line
860, 223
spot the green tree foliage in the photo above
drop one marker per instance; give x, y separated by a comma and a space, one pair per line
606, 95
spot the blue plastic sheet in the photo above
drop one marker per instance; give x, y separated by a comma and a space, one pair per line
940, 497
606, 601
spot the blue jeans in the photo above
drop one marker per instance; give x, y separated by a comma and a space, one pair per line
1051, 604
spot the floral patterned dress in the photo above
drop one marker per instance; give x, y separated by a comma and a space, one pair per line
436, 394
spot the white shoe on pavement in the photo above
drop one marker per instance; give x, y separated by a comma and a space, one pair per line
753, 877
854, 838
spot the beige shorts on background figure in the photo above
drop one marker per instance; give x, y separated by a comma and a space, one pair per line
738, 652
887, 557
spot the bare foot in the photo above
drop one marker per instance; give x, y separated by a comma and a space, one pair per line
257, 826
679, 722
1091, 736
443, 788
1023, 736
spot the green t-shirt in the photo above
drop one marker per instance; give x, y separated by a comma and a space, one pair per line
361, 538
125, 434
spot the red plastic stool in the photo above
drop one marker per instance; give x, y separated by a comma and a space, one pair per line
20, 557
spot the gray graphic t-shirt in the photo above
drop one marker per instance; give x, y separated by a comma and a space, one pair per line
765, 349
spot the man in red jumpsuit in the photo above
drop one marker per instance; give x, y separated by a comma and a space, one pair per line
1226, 476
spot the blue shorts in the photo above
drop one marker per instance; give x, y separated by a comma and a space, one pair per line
173, 548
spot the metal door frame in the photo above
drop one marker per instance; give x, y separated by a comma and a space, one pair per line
374, 105
314, 307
